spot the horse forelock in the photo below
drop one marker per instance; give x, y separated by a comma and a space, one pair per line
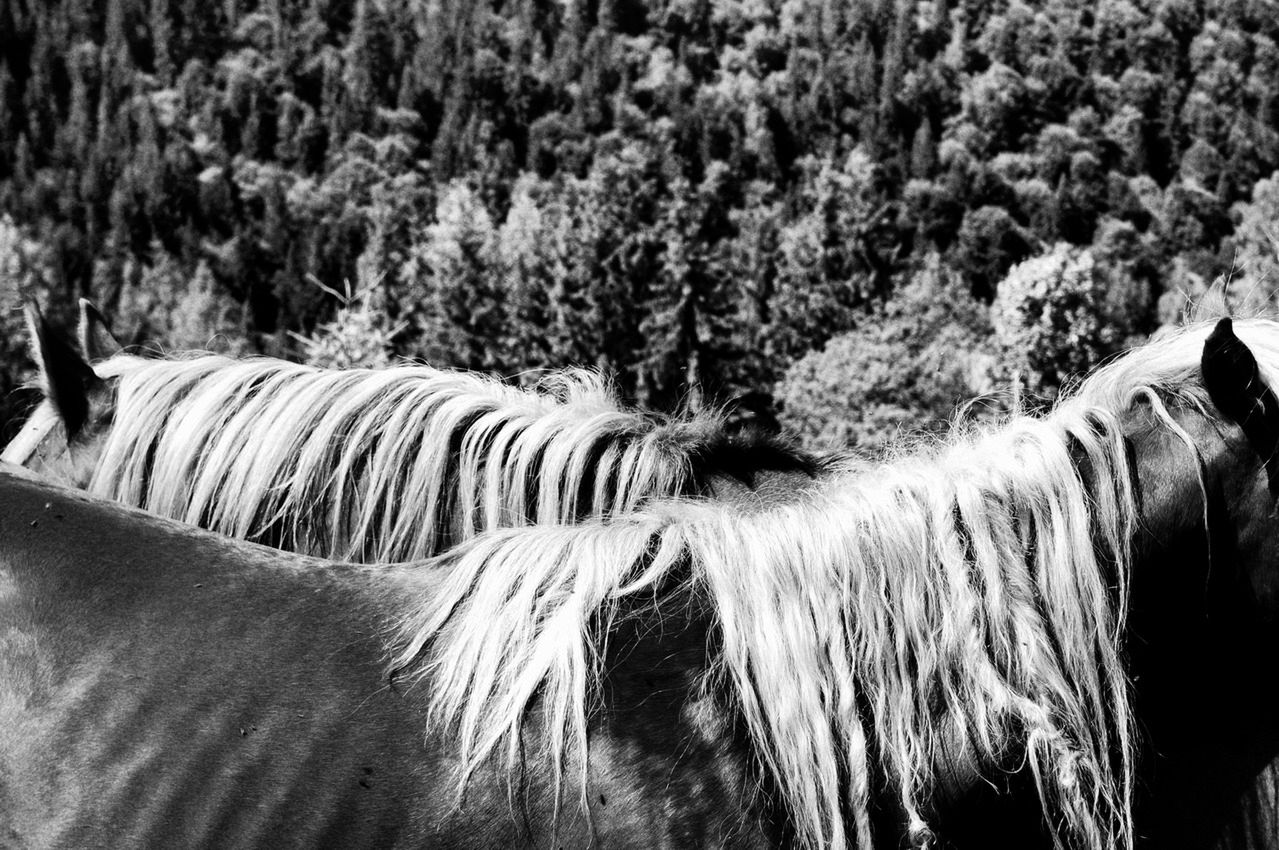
952, 607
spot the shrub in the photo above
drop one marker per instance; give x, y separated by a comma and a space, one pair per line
903, 369
1050, 321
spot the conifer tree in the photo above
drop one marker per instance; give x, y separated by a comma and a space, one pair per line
458, 312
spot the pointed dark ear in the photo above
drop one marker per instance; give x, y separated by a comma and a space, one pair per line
64, 376
96, 340
1236, 387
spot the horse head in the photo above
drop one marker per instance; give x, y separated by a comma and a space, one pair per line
1205, 595
1245, 400
77, 403
1197, 590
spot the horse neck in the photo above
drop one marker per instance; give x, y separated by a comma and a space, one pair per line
1197, 633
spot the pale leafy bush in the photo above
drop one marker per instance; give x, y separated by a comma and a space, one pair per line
1050, 321
904, 369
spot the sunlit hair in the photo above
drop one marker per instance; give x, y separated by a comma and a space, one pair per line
946, 609
383, 465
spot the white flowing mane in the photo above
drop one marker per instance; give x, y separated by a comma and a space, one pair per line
382, 465
931, 611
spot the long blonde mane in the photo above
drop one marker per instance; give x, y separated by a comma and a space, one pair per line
381, 465
941, 610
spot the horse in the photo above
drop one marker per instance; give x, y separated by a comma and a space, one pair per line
369, 465
859, 666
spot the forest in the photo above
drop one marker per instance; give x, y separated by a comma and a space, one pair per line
848, 216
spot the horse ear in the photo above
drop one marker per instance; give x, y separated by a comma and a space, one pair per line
64, 376
1236, 387
96, 340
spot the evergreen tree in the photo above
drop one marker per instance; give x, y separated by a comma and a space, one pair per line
524, 273
450, 275
1253, 285
828, 257
672, 350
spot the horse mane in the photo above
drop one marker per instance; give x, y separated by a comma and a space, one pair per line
942, 609
393, 464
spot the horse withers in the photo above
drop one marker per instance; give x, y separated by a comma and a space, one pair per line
851, 668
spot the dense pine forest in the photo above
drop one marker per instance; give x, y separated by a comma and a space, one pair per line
853, 214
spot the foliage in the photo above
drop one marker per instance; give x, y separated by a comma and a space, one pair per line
187, 313
23, 270
1049, 320
903, 370
357, 337
1254, 285
824, 256
452, 294
691, 195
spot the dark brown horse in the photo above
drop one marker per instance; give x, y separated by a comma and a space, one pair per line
1040, 609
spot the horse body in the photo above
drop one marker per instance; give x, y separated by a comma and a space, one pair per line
161, 687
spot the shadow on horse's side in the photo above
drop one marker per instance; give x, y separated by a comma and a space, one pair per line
938, 650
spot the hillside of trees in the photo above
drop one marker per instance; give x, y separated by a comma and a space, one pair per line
854, 212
